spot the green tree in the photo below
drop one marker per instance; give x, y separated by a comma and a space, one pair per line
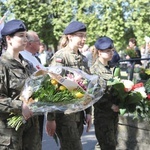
138, 20
118, 19
47, 17
3, 8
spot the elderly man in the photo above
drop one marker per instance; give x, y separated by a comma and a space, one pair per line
31, 50
29, 54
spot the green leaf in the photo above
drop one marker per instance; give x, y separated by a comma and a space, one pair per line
133, 98
122, 111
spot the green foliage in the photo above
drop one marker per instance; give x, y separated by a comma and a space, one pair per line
131, 53
127, 100
3, 8
15, 121
51, 93
147, 86
120, 19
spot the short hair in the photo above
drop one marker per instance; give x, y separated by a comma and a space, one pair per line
133, 40
31, 35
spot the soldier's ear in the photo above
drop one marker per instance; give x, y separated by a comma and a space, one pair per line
8, 38
69, 36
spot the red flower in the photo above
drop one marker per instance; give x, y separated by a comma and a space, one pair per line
138, 85
148, 96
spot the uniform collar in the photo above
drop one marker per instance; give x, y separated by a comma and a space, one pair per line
72, 51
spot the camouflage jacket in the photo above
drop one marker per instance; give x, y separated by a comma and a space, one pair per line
12, 79
66, 57
103, 106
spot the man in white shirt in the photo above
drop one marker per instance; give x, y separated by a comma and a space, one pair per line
43, 54
29, 53
32, 48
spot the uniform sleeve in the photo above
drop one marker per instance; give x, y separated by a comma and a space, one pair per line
105, 100
7, 104
57, 60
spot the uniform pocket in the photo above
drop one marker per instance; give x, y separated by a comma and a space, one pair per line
5, 141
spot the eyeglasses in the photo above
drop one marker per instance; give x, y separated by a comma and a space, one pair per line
81, 35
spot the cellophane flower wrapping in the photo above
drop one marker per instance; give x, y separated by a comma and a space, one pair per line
62, 89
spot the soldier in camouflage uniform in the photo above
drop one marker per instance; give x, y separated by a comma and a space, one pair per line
13, 72
106, 109
69, 128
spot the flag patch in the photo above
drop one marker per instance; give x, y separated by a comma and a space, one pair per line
38, 67
59, 60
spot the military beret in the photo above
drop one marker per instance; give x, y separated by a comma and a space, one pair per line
104, 43
74, 27
12, 27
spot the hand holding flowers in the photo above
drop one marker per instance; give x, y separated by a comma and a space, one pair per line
134, 98
115, 108
61, 89
129, 98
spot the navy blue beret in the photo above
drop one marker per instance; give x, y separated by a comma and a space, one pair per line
74, 27
12, 27
104, 43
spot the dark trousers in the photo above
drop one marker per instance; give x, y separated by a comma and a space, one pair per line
106, 132
69, 130
41, 123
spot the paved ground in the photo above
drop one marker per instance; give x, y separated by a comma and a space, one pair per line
88, 141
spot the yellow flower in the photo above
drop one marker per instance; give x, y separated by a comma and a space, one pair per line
54, 82
62, 88
79, 95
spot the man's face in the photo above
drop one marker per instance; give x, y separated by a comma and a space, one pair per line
35, 44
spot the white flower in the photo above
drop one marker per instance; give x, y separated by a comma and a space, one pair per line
128, 85
142, 91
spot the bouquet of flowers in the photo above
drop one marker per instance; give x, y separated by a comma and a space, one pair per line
127, 93
61, 89
143, 110
134, 98
131, 53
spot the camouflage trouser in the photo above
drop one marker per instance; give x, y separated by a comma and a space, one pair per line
106, 133
69, 130
26, 138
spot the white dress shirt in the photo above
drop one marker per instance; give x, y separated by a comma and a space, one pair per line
32, 59
43, 57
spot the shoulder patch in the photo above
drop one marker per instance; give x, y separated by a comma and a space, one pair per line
59, 60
